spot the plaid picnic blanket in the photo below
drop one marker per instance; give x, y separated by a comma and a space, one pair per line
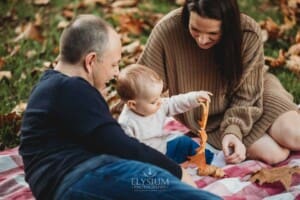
12, 182
235, 186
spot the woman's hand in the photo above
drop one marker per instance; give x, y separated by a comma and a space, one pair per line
233, 148
186, 178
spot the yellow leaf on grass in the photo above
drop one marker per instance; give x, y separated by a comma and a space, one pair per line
5, 74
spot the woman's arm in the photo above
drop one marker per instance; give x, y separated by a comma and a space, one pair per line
246, 103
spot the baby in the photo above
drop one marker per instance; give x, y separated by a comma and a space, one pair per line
145, 112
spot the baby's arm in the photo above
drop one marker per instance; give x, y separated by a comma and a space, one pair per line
184, 102
204, 96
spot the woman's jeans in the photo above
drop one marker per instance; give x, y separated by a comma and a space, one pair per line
108, 177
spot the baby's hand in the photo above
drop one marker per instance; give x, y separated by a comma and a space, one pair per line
204, 96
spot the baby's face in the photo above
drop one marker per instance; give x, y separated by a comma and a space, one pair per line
150, 102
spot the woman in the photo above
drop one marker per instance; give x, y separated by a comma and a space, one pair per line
210, 45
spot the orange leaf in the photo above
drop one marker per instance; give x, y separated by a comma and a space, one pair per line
211, 170
130, 24
271, 27
9, 119
2, 62
276, 62
30, 31
69, 14
282, 174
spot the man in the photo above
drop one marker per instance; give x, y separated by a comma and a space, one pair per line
71, 146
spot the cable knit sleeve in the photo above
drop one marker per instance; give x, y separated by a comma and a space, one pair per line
153, 55
246, 104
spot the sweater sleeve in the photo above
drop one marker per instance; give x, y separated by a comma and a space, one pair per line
110, 139
181, 103
246, 104
153, 55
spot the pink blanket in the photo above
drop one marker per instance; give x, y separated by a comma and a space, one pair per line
12, 183
235, 186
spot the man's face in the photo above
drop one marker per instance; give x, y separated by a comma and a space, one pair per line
107, 66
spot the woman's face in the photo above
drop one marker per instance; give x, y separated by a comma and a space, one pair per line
206, 32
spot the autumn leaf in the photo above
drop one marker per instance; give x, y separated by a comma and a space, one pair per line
62, 24
2, 62
276, 62
14, 51
85, 3
29, 31
5, 74
9, 119
282, 174
19, 109
38, 20
297, 37
294, 49
69, 14
132, 47
124, 3
271, 27
41, 2
30, 53
264, 35
130, 24
293, 64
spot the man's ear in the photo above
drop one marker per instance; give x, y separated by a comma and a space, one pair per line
131, 104
89, 61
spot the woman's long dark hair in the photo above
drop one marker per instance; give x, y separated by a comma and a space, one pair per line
228, 55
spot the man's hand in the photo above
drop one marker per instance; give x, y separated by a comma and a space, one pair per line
186, 178
233, 148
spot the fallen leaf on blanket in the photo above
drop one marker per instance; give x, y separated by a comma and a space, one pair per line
211, 170
283, 174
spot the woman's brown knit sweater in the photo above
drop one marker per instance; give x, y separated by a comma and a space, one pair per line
256, 102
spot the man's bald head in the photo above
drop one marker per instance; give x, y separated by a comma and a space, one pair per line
85, 34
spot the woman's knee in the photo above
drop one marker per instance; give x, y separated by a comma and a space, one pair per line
267, 150
276, 157
292, 136
286, 130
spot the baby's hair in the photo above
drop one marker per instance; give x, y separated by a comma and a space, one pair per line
134, 80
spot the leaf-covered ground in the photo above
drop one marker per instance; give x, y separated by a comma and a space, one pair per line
30, 30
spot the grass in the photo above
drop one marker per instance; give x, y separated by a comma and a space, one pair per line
26, 70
